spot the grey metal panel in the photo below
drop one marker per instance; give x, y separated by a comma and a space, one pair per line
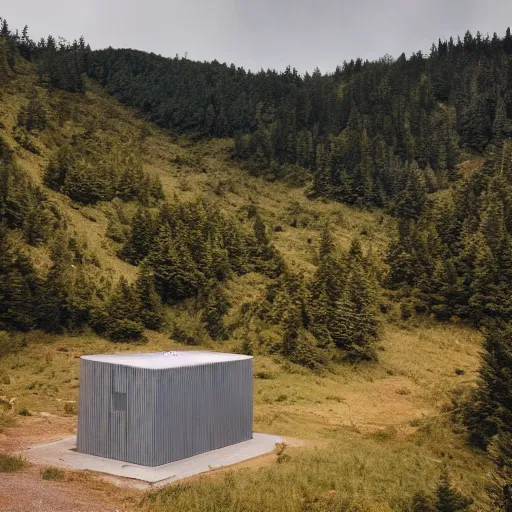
94, 408
171, 413
141, 416
202, 408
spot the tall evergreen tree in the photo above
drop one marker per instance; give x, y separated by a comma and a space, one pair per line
151, 311
491, 409
355, 325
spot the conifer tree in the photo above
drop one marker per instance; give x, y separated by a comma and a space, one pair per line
447, 498
355, 325
322, 181
122, 320
326, 242
215, 307
412, 201
491, 410
264, 256
59, 166
20, 287
141, 239
401, 257
423, 502
176, 275
151, 310
57, 287
5, 70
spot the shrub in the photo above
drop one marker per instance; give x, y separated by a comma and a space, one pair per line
6, 420
280, 452
52, 473
123, 330
70, 408
25, 412
22, 137
264, 375
11, 343
10, 463
189, 330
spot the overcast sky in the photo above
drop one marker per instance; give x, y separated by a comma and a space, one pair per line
262, 33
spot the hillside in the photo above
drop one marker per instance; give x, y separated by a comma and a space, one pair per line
412, 383
119, 234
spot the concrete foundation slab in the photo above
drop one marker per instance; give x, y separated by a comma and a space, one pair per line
63, 454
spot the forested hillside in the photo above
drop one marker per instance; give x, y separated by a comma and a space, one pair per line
298, 218
362, 130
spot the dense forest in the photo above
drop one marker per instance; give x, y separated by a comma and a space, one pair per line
387, 135
362, 131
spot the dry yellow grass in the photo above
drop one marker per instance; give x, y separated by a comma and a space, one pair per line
385, 426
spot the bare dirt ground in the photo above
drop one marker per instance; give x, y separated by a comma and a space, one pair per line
26, 491
36, 429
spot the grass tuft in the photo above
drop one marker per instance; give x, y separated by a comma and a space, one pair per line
10, 463
6, 420
52, 473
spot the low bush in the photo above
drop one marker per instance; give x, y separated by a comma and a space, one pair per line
52, 473
10, 463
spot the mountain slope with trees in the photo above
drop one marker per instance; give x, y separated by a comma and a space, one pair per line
301, 219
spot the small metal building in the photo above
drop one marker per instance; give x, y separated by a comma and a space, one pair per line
151, 409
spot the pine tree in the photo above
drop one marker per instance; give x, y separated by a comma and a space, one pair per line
493, 226
60, 164
57, 287
151, 310
447, 498
122, 321
422, 502
34, 115
176, 275
401, 257
501, 453
265, 257
86, 185
141, 239
5, 70
499, 125
412, 201
20, 287
491, 410
260, 231
320, 315
322, 181
355, 325
326, 242
214, 310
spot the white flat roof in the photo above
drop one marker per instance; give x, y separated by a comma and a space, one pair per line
171, 359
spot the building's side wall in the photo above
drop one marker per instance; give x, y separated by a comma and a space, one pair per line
115, 415
94, 408
202, 408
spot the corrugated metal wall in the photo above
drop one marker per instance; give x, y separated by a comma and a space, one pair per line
103, 429
171, 413
201, 408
